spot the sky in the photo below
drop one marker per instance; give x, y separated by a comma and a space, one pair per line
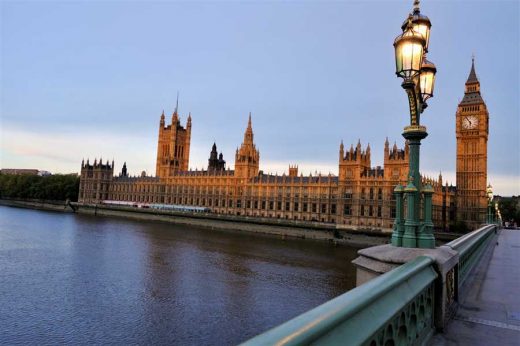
90, 79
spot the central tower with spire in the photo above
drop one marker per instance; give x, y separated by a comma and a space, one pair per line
247, 158
173, 145
472, 129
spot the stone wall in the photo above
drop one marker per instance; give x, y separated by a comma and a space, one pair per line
279, 228
60, 206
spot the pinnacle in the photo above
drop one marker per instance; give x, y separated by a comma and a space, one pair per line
472, 78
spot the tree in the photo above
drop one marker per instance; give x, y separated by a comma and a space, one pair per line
59, 187
510, 208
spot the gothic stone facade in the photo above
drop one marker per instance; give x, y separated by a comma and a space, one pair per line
361, 196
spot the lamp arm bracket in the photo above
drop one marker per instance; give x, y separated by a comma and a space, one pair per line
414, 106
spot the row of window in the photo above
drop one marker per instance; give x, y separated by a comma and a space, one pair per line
96, 175
219, 189
194, 190
367, 211
371, 211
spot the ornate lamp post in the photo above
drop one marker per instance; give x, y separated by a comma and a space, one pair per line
498, 216
490, 204
418, 81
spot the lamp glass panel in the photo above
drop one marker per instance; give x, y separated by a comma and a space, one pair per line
417, 56
398, 60
427, 83
432, 87
408, 58
424, 30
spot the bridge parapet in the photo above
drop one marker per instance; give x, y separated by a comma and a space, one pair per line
395, 307
401, 306
470, 248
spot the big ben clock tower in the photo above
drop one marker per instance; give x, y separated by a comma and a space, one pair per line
472, 130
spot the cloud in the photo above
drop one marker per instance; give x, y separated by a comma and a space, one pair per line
503, 184
62, 151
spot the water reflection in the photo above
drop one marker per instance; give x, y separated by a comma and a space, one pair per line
82, 280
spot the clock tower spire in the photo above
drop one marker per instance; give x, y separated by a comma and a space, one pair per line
472, 129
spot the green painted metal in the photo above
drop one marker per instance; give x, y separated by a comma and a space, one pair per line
470, 248
425, 238
395, 308
397, 234
491, 213
411, 223
417, 232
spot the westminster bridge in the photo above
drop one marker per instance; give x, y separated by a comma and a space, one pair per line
462, 293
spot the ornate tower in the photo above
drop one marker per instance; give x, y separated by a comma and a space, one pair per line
95, 181
472, 129
216, 162
293, 170
173, 146
353, 162
396, 163
247, 158
124, 171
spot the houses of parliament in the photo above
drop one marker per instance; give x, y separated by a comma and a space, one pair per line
360, 196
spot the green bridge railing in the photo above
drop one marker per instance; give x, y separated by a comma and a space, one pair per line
470, 248
396, 308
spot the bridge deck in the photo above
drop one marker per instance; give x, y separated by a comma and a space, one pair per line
490, 311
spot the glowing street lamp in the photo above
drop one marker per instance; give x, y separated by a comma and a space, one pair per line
489, 192
418, 76
427, 79
498, 215
420, 24
409, 53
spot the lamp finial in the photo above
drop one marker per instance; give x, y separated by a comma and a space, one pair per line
416, 6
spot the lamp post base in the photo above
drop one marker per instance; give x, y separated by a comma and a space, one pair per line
396, 240
425, 239
409, 236
428, 243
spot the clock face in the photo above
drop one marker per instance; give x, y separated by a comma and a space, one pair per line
469, 122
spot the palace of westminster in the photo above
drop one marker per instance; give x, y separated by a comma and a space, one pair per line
361, 196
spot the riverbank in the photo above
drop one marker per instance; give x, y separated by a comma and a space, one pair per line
60, 206
280, 228
275, 227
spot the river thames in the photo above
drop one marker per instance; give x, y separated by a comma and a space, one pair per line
77, 279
